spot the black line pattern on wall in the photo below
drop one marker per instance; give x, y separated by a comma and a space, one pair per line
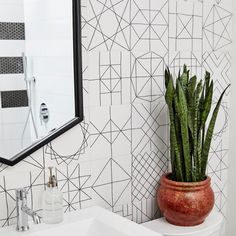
192, 59
75, 187
99, 32
220, 191
145, 210
110, 79
111, 132
149, 149
147, 77
218, 1
124, 210
83, 23
219, 65
139, 211
147, 170
135, 25
117, 183
149, 26
81, 146
185, 19
116, 156
222, 125
216, 28
217, 159
150, 132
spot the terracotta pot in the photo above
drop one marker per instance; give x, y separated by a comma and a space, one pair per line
185, 204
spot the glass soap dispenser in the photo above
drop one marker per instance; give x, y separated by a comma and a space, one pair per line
52, 201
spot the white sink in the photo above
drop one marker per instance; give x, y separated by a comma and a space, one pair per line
94, 221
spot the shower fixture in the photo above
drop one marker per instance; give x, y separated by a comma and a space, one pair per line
29, 81
44, 115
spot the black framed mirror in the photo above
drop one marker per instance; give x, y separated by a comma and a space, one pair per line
40, 76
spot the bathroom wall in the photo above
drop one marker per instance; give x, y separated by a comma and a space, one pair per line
13, 95
116, 156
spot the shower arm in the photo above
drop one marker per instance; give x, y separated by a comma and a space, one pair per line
25, 66
28, 83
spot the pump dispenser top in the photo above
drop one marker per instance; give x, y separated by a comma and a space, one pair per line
52, 183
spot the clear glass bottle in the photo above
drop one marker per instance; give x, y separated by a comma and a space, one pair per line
52, 202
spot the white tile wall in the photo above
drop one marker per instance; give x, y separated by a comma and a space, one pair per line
12, 11
12, 120
12, 48
116, 156
49, 49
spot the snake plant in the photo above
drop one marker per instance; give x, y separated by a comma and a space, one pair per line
189, 103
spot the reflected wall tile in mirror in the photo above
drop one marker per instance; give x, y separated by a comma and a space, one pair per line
17, 98
12, 31
11, 65
46, 39
11, 115
9, 82
12, 11
11, 48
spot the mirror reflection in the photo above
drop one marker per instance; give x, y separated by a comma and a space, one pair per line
36, 71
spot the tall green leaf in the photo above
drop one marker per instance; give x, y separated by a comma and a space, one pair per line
184, 79
195, 129
190, 95
207, 104
175, 153
209, 134
167, 76
182, 110
207, 80
199, 157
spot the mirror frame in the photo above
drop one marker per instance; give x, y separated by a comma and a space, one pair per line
78, 92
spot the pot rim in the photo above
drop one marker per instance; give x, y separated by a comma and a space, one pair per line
165, 180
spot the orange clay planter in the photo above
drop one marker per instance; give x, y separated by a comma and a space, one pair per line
185, 204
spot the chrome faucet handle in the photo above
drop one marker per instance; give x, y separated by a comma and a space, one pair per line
36, 218
22, 217
23, 211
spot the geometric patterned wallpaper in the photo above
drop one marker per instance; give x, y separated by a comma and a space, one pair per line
116, 156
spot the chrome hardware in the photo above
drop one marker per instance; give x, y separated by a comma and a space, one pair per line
23, 211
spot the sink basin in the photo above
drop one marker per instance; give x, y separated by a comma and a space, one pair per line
93, 221
84, 228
